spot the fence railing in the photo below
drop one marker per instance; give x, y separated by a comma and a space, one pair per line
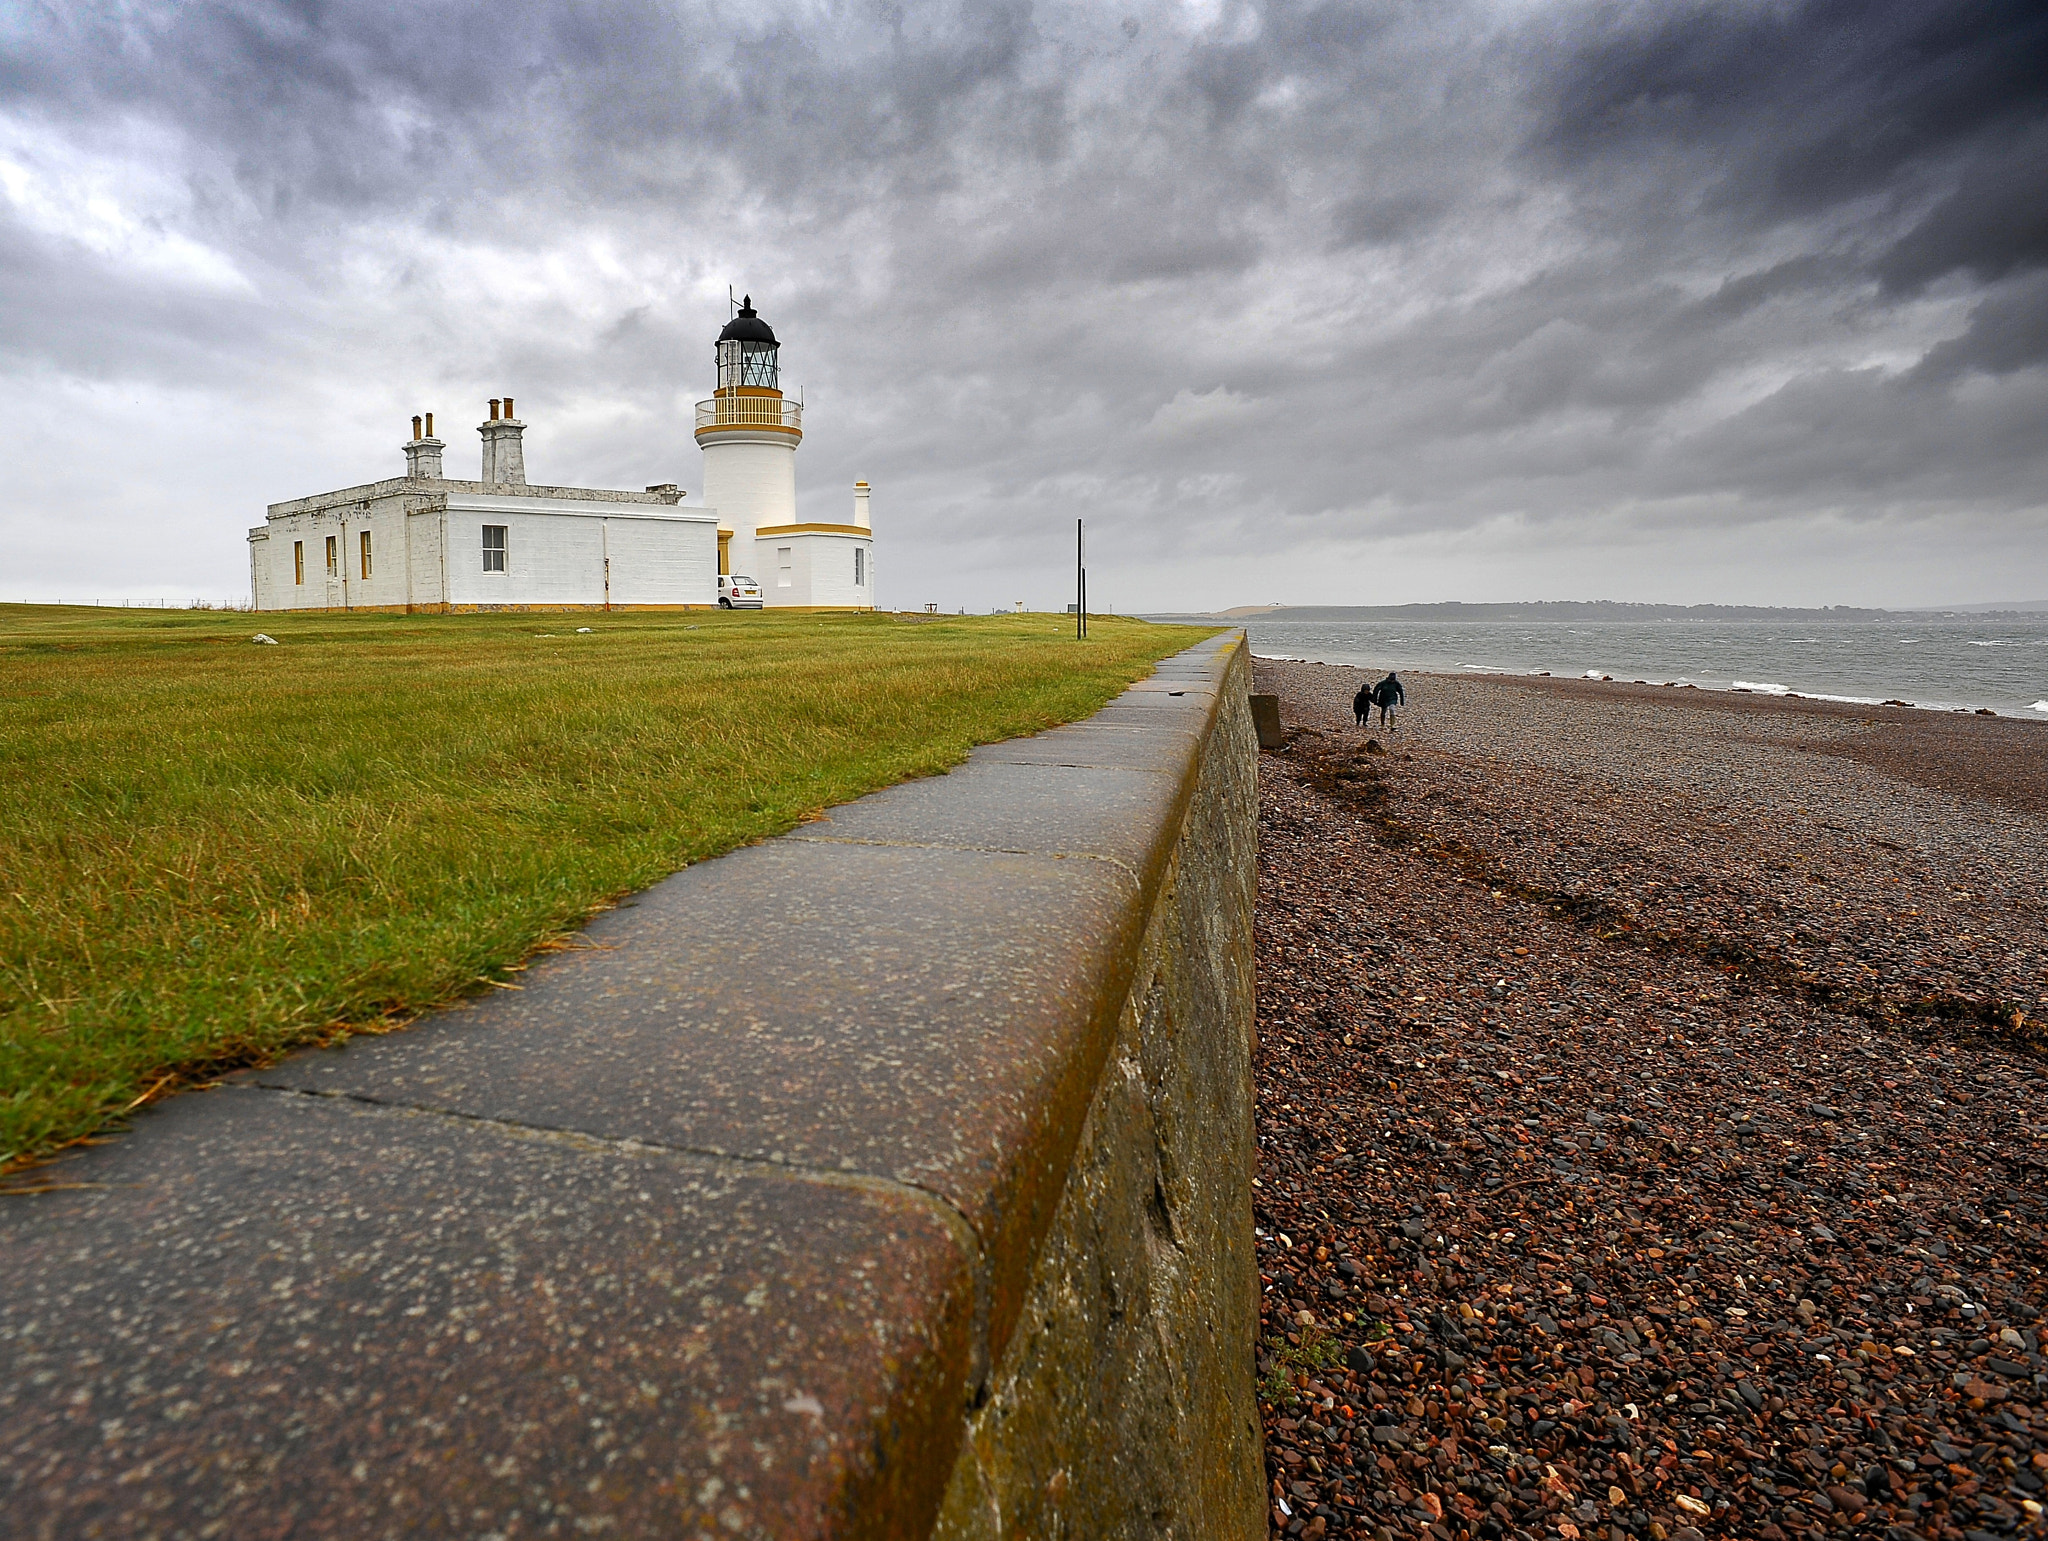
750, 412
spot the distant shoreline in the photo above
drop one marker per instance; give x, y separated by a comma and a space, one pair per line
1590, 610
1812, 699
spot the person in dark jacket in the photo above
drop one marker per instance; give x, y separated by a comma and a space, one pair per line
1361, 704
1387, 695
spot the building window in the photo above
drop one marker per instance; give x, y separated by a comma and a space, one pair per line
494, 548
333, 556
782, 566
366, 553
298, 561
860, 566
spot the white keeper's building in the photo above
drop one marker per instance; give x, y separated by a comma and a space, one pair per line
423, 541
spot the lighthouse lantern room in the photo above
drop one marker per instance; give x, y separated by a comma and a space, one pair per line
748, 354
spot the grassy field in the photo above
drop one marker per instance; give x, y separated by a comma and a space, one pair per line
214, 850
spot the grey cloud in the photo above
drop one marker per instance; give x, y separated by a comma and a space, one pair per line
1385, 220
1857, 439
1741, 294
2008, 331
1802, 107
1907, 142
69, 313
1994, 223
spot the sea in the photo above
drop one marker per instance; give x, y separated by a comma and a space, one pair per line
1943, 664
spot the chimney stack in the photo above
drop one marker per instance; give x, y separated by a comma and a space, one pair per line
504, 453
423, 453
860, 505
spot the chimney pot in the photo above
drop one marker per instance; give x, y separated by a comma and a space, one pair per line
416, 426
494, 409
508, 407
430, 425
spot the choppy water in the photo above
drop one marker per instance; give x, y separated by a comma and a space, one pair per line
1941, 664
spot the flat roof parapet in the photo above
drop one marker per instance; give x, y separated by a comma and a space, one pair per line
396, 486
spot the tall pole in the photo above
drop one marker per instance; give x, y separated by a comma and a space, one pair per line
1080, 585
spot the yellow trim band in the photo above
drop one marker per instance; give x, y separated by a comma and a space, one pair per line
805, 529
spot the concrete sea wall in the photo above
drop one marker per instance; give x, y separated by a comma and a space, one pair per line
891, 1178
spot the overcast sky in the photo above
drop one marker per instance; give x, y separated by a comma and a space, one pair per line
1324, 303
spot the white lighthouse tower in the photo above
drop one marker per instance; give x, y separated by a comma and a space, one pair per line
749, 435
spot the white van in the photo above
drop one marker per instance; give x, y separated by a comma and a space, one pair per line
738, 593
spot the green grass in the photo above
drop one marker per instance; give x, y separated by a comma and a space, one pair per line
213, 850
1316, 1349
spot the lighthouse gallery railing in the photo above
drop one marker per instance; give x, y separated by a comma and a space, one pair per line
750, 411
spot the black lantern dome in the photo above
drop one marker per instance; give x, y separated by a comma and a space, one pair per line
748, 352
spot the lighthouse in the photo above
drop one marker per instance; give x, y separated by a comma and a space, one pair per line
749, 435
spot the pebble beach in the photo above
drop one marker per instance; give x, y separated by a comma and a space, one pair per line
1650, 1112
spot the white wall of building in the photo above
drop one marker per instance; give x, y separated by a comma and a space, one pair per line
427, 570
556, 551
556, 556
274, 568
549, 559
664, 561
259, 569
819, 570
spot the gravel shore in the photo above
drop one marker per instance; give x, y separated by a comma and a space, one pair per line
1650, 1098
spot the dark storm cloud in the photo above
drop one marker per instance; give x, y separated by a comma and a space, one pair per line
2008, 332
1223, 276
1993, 224
1786, 113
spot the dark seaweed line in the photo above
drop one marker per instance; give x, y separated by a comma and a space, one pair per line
2002, 1024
